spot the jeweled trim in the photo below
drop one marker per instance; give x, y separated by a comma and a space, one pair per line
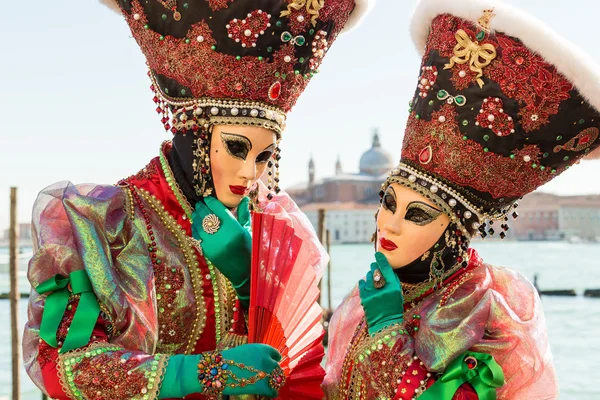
68, 360
457, 196
270, 116
185, 205
227, 303
217, 296
189, 253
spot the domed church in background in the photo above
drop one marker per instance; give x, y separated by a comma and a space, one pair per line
350, 199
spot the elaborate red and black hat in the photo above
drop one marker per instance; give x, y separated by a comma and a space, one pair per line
503, 105
234, 61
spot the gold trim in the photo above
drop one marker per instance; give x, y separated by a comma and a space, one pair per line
166, 168
275, 117
193, 265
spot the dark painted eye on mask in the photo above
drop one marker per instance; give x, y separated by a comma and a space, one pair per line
236, 146
389, 201
421, 214
264, 156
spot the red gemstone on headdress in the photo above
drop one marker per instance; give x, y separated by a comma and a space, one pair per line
275, 91
519, 60
585, 139
164, 120
238, 86
426, 155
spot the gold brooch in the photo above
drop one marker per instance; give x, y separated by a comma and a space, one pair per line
211, 224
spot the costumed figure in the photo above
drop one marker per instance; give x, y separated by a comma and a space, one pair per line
141, 290
503, 105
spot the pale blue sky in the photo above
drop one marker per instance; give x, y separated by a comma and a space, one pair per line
76, 104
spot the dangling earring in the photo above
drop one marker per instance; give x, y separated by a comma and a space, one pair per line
202, 172
274, 171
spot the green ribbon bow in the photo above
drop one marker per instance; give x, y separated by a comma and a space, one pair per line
85, 316
478, 369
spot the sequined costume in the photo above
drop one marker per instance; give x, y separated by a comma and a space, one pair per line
158, 294
502, 106
481, 308
125, 254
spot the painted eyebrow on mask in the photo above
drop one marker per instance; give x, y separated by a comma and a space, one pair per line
269, 147
237, 138
423, 203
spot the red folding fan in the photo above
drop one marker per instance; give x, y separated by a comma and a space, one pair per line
284, 310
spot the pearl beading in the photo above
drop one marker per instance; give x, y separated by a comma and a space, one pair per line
222, 107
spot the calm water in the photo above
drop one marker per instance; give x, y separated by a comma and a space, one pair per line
573, 323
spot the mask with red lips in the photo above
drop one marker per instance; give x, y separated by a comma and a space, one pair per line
416, 237
239, 157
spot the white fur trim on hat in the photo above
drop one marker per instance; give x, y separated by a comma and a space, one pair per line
568, 59
361, 9
112, 4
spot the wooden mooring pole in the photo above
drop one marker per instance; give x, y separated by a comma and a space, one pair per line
14, 294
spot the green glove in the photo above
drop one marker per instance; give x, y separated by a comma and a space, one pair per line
383, 306
226, 242
183, 378
259, 357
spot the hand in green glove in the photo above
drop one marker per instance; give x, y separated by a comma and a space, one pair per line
384, 306
260, 357
230, 246
183, 376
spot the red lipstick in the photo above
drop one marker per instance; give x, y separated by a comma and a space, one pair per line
239, 190
387, 244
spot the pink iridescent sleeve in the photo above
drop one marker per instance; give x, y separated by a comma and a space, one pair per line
495, 311
87, 227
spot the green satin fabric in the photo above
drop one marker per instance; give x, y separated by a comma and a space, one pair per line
485, 378
385, 306
181, 377
85, 316
229, 249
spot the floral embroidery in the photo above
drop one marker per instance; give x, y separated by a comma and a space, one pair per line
414, 380
521, 74
454, 158
104, 371
427, 80
247, 31
218, 4
462, 76
319, 49
493, 117
210, 73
